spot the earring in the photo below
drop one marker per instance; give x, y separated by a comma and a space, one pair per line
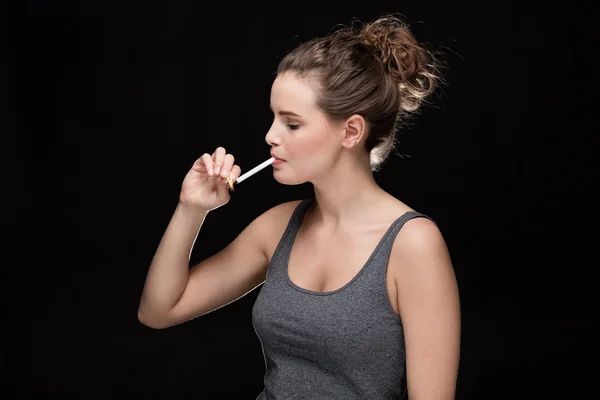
355, 142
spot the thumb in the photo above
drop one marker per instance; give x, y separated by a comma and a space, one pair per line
199, 165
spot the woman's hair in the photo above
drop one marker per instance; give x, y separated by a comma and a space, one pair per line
377, 70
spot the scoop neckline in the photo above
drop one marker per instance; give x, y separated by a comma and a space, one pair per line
288, 254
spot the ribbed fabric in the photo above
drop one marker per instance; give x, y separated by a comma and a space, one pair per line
344, 344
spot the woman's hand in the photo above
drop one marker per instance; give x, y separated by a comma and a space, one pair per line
205, 186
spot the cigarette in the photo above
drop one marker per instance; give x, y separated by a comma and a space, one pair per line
248, 174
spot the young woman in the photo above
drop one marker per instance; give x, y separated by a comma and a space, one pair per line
359, 292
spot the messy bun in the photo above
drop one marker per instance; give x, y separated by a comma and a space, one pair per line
377, 70
403, 58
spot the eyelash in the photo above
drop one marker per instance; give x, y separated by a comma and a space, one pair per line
293, 127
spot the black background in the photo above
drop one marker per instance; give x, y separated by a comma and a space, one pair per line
120, 97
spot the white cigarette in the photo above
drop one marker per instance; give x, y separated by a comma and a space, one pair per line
254, 170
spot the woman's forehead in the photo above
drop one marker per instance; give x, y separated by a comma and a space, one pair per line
289, 92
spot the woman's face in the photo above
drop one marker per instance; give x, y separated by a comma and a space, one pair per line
300, 134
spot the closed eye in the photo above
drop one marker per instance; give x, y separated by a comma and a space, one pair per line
293, 126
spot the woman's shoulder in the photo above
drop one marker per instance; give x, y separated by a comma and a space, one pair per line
283, 209
418, 226
419, 231
418, 242
277, 219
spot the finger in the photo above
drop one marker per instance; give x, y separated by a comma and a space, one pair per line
219, 155
227, 164
235, 173
207, 161
222, 189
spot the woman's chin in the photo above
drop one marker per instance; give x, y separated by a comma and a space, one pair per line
280, 178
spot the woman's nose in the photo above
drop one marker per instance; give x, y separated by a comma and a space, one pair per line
271, 137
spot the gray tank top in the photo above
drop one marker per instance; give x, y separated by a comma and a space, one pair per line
343, 344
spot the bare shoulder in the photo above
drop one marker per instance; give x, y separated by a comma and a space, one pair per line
420, 239
418, 245
420, 234
417, 234
282, 209
280, 214
420, 258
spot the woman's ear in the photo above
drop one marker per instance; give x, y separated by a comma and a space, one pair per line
354, 130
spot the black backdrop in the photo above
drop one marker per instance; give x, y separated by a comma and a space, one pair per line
120, 97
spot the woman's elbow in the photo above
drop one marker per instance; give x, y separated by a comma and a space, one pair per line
150, 321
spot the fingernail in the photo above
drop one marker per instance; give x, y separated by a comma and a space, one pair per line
217, 170
210, 171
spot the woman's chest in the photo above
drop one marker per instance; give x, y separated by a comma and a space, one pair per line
328, 262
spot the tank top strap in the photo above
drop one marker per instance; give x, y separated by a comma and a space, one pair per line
285, 243
386, 244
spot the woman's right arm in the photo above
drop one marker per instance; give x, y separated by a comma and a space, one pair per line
174, 293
